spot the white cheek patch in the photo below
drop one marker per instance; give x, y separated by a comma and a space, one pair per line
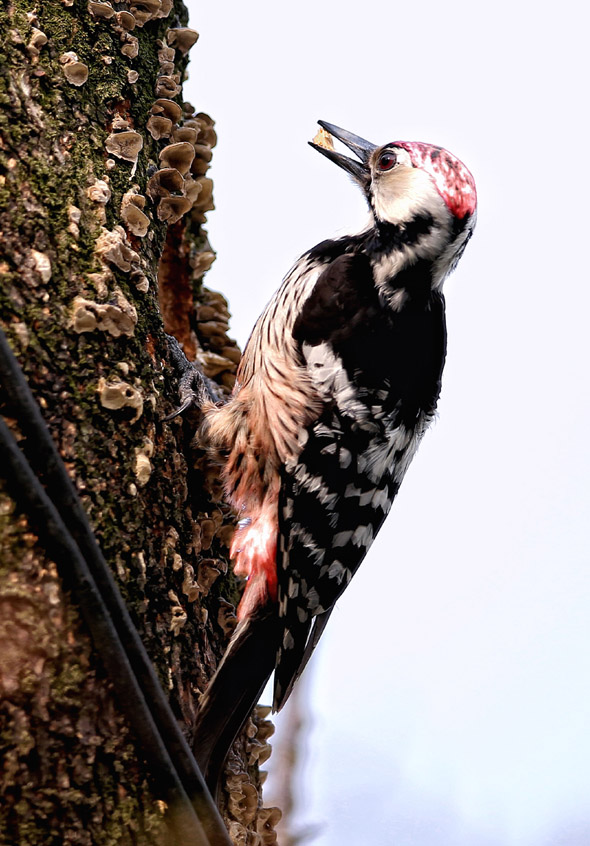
399, 198
404, 192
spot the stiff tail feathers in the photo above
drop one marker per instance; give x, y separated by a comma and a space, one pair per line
234, 690
292, 659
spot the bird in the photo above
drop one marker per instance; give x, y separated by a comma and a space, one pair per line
337, 384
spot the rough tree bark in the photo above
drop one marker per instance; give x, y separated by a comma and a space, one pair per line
102, 199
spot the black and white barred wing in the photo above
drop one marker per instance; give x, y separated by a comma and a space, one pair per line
335, 496
378, 375
329, 513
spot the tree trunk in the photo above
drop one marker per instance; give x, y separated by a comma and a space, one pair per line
102, 199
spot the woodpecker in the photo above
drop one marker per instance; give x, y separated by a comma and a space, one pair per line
338, 382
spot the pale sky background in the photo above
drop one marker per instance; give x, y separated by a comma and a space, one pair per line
451, 692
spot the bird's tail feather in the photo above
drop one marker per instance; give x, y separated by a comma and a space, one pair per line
291, 663
234, 690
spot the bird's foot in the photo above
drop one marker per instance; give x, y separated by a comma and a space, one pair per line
194, 388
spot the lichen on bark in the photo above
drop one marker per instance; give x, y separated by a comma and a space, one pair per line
84, 301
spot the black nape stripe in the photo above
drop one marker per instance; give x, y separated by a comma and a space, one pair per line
393, 236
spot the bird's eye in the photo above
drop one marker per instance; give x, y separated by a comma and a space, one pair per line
386, 160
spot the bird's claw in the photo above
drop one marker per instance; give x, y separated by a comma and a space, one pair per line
194, 388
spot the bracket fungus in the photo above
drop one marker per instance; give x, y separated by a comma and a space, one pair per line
146, 10
226, 617
179, 155
112, 248
75, 72
119, 122
178, 618
182, 37
131, 47
207, 134
167, 86
101, 9
200, 263
225, 534
119, 395
186, 133
125, 145
167, 68
143, 465
171, 209
99, 192
243, 798
117, 317
166, 54
265, 823
168, 108
204, 201
140, 280
133, 198
165, 182
213, 364
159, 127
135, 219
190, 588
126, 20
38, 39
192, 189
202, 159
207, 533
209, 570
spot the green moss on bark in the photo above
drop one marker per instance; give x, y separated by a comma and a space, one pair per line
72, 771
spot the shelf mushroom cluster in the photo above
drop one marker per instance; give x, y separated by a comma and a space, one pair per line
180, 184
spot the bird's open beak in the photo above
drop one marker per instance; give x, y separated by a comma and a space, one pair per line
363, 149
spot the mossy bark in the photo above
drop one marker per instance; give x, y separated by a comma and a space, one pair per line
82, 302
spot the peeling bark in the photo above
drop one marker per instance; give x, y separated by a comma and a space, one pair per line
100, 251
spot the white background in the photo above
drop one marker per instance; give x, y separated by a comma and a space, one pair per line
451, 691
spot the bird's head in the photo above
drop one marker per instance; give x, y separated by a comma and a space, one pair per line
406, 181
